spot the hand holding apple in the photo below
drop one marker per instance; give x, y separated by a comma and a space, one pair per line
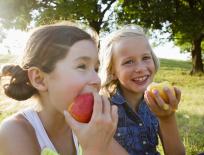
100, 128
160, 88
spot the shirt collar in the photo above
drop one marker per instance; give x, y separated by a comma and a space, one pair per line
117, 98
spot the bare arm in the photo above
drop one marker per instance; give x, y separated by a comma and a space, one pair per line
170, 138
15, 139
169, 133
116, 148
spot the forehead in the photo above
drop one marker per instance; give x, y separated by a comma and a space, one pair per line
83, 48
131, 45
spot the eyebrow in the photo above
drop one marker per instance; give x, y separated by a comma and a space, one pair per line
86, 58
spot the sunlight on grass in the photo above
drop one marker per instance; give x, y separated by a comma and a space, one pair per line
190, 115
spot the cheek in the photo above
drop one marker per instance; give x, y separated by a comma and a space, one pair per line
126, 70
74, 86
66, 89
153, 68
123, 75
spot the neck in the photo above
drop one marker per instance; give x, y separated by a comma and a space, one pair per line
53, 122
132, 98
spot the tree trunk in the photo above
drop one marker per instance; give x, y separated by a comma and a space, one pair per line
197, 65
96, 26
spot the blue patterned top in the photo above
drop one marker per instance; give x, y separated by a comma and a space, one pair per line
136, 132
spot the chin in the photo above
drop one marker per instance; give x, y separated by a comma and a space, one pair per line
139, 91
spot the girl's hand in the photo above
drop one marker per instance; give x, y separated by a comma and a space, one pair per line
157, 104
95, 136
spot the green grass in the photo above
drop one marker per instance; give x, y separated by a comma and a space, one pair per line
7, 58
190, 115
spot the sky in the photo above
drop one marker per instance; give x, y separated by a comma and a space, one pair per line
170, 51
16, 40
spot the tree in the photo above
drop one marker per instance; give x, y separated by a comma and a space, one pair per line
20, 14
184, 19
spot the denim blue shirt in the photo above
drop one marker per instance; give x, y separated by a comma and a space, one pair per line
136, 132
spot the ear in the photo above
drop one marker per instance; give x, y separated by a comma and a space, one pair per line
113, 74
114, 77
37, 78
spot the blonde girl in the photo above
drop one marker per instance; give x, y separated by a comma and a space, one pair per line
127, 66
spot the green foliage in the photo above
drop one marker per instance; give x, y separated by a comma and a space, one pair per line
16, 13
19, 14
145, 13
183, 19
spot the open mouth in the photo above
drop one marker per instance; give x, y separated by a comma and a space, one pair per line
140, 80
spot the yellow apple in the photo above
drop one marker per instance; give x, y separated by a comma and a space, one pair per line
160, 88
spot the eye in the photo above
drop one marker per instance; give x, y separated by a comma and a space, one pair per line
96, 69
147, 57
128, 62
82, 66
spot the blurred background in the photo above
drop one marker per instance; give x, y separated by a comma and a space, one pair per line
175, 29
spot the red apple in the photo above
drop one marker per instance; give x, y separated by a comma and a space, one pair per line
82, 107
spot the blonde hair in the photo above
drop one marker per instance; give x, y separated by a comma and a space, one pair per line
108, 84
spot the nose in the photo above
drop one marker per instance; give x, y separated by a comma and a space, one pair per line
139, 67
95, 80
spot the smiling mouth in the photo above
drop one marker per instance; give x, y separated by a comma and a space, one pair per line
141, 80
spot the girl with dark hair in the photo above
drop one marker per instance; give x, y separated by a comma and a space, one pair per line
60, 63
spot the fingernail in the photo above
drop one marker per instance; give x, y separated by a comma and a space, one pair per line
166, 88
174, 110
165, 106
155, 92
65, 113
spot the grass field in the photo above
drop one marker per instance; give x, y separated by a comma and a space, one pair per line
190, 115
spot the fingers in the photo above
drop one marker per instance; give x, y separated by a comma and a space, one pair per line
97, 108
106, 106
178, 93
110, 112
71, 121
173, 98
150, 101
160, 102
114, 111
103, 110
158, 105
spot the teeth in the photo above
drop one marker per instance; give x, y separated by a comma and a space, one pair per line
140, 79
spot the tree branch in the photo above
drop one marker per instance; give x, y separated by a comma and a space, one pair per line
108, 7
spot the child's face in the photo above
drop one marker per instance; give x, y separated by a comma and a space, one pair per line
133, 64
74, 75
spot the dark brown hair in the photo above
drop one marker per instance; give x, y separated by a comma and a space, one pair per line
45, 47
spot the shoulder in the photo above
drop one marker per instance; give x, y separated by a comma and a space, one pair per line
17, 135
